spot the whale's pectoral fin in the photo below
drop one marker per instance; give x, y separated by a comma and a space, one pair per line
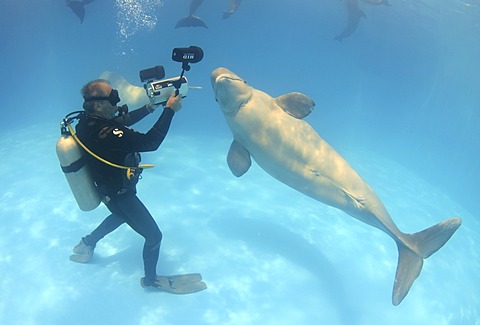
238, 159
296, 104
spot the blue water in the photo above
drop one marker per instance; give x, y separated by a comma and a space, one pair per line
399, 99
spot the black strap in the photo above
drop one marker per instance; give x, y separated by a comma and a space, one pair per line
74, 167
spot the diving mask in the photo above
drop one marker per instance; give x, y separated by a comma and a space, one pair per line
113, 98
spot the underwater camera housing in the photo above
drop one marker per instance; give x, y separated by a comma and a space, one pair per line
158, 89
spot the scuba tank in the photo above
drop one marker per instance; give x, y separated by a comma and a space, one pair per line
71, 153
73, 163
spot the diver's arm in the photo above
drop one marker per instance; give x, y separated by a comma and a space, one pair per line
119, 137
160, 128
134, 116
129, 140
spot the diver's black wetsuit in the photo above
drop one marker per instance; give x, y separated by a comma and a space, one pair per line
113, 141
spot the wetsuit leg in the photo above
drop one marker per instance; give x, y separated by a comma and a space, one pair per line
108, 225
129, 207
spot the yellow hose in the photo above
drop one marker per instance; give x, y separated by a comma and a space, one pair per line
129, 169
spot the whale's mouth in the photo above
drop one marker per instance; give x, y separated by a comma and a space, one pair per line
222, 80
231, 91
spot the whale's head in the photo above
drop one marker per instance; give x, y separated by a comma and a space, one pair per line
231, 92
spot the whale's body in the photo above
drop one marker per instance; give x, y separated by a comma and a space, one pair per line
232, 7
354, 15
271, 130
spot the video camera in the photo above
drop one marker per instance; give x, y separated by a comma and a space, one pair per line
158, 89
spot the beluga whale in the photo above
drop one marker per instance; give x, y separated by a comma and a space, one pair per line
191, 20
272, 132
232, 7
354, 14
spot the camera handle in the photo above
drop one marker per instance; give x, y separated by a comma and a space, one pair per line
178, 83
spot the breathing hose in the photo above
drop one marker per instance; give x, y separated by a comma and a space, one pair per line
130, 170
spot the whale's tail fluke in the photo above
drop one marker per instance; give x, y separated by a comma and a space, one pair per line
191, 21
78, 7
408, 269
420, 246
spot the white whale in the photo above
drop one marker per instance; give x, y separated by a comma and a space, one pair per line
131, 95
271, 130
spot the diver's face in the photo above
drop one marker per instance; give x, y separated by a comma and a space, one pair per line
104, 107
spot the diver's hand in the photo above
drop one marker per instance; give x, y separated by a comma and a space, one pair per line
174, 102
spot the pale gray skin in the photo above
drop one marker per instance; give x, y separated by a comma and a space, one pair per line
271, 130
232, 7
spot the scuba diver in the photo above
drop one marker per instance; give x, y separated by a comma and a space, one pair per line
109, 136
